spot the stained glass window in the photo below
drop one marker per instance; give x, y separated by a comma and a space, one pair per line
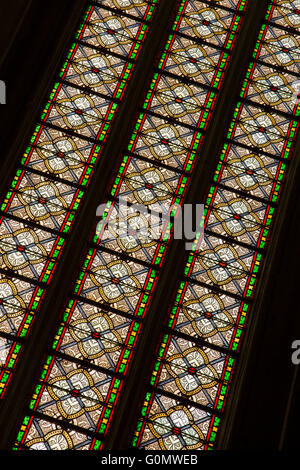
110, 298
90, 357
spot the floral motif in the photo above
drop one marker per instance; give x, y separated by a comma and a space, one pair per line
236, 217
75, 394
262, 130
196, 62
148, 186
95, 335
206, 23
273, 88
95, 70
21, 249
164, 141
55, 440
290, 12
249, 172
175, 429
132, 232
285, 50
60, 155
178, 100
115, 281
207, 315
78, 111
42, 201
222, 264
111, 32
192, 371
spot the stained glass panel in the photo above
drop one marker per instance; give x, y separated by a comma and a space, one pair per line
201, 343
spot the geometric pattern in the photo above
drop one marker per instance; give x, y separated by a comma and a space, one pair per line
110, 297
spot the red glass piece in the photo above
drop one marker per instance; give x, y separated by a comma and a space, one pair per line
176, 431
